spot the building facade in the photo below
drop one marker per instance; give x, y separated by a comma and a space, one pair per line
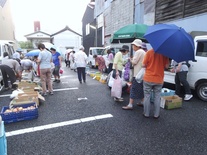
7, 29
66, 39
38, 37
110, 15
116, 14
63, 39
191, 15
89, 39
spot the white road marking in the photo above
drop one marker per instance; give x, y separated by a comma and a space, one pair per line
65, 89
64, 82
65, 76
55, 125
53, 90
5, 95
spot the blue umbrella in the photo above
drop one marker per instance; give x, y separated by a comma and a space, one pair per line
171, 41
33, 53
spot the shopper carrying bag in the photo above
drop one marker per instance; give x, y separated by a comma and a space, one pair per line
140, 74
116, 89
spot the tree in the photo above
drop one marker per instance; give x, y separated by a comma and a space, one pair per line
26, 44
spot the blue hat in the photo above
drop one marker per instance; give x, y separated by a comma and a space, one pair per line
19, 50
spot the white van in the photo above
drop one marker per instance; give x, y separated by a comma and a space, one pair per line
5, 46
94, 51
197, 75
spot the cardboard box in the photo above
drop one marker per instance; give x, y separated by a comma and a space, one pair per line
165, 92
25, 85
171, 102
27, 97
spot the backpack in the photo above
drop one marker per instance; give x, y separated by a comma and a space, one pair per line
187, 63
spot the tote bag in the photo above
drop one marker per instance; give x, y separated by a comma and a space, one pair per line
140, 74
116, 89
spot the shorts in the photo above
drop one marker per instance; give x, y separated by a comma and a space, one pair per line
56, 71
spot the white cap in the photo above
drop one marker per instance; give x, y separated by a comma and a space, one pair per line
81, 47
137, 42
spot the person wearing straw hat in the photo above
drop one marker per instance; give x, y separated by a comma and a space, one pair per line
136, 91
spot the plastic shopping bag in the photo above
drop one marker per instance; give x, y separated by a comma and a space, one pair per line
73, 66
103, 78
116, 89
140, 74
61, 71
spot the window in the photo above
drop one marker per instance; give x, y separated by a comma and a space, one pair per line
201, 49
98, 51
87, 29
3, 49
167, 10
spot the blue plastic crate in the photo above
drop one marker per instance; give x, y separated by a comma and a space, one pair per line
168, 92
3, 142
20, 115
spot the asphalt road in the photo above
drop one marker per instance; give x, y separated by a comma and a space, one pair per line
99, 126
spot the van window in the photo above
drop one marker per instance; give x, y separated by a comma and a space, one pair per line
8, 49
201, 49
97, 51
4, 49
113, 50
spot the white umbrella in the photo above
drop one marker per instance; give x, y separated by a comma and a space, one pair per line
68, 51
48, 45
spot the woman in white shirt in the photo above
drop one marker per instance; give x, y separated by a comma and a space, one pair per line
81, 61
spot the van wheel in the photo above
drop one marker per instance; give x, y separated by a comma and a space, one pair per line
202, 91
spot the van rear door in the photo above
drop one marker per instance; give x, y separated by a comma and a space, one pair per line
198, 68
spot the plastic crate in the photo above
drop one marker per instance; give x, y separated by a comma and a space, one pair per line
168, 92
20, 115
3, 142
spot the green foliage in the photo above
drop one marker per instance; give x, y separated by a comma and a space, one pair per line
26, 44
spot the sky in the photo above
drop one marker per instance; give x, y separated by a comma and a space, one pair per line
53, 15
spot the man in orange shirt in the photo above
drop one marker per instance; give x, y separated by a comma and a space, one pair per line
155, 64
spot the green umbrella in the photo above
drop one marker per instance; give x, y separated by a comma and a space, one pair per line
130, 32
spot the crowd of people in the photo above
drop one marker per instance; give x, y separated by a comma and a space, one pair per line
154, 65
48, 63
44, 65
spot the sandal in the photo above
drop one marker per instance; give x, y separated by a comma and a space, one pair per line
145, 116
127, 108
140, 104
156, 117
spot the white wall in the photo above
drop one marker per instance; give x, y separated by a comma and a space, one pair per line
67, 39
193, 23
